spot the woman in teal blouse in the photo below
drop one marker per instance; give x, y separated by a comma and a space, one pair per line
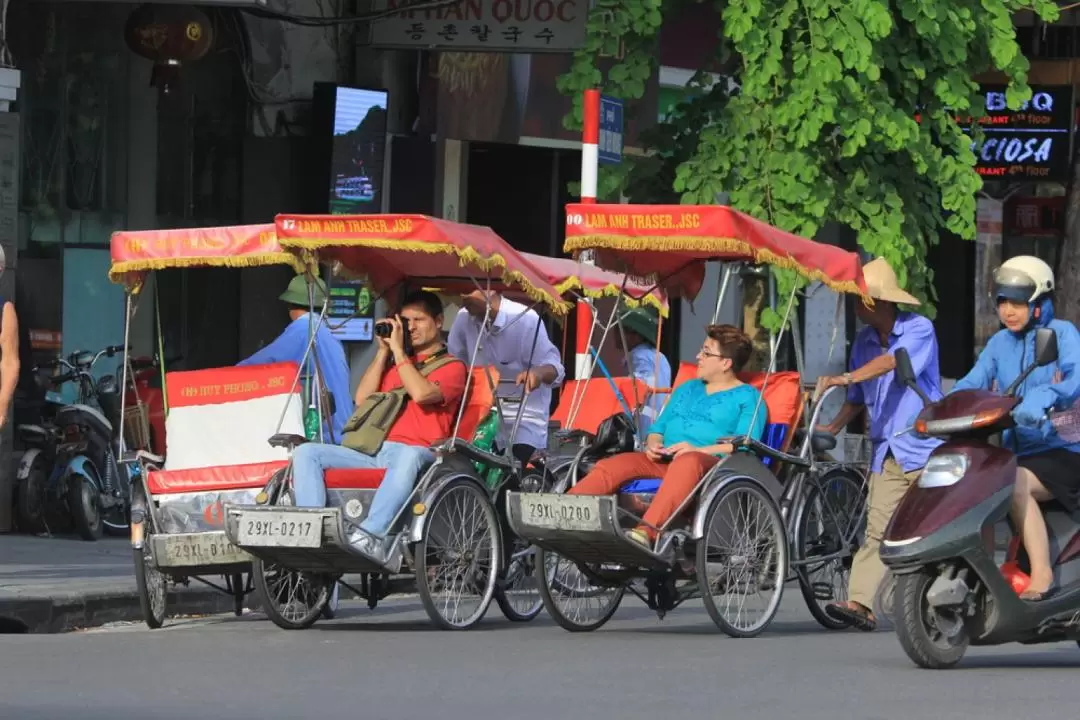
682, 444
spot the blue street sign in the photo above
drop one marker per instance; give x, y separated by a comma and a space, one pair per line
611, 130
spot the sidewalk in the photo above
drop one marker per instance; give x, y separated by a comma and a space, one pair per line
50, 585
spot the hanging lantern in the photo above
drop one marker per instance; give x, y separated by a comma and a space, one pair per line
168, 35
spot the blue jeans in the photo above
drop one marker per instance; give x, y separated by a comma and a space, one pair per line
403, 464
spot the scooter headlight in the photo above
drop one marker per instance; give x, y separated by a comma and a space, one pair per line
943, 470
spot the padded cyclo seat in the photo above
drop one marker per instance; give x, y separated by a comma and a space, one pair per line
477, 407
783, 400
599, 403
218, 425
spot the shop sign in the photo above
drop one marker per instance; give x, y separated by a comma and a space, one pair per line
1035, 217
1027, 144
483, 25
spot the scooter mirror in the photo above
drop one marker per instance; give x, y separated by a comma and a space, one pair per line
1046, 350
905, 373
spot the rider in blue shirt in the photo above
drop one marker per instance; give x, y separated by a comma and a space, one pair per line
1048, 464
291, 344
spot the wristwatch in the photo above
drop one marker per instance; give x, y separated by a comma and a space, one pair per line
847, 378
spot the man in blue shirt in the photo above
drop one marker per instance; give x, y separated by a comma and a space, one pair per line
898, 457
291, 344
641, 326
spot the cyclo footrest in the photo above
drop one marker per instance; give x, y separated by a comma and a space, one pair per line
582, 528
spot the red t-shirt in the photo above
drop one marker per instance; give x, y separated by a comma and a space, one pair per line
428, 424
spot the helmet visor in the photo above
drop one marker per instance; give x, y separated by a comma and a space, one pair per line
1014, 285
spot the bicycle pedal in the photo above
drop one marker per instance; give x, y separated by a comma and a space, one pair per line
823, 591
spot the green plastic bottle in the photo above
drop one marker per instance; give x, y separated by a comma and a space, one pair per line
484, 439
311, 417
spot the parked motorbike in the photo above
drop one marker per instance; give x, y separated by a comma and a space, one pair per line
949, 591
37, 436
98, 489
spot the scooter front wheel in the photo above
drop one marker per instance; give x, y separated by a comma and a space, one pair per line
932, 638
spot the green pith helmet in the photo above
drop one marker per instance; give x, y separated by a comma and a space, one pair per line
297, 293
642, 321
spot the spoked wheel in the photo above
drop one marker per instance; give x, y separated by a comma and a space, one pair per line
457, 559
885, 599
932, 638
742, 559
519, 599
571, 597
519, 594
831, 525
151, 583
292, 600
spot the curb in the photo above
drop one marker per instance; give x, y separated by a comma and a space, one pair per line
42, 615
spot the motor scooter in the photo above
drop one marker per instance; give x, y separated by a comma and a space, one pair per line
949, 591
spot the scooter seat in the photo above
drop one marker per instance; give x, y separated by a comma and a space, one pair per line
353, 478
212, 479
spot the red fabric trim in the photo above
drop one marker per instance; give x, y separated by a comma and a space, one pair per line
229, 384
343, 479
212, 479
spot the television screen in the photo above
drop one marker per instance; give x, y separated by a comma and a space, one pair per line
359, 148
350, 314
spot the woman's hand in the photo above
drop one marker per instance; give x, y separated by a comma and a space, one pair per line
679, 448
653, 447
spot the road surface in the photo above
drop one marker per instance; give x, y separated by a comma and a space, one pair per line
391, 664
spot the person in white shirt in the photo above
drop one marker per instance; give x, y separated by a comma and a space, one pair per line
518, 347
641, 326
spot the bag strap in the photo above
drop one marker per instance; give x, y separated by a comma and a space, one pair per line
428, 367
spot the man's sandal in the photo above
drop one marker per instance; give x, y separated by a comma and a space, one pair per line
852, 614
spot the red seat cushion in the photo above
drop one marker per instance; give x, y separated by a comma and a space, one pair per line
352, 479
212, 479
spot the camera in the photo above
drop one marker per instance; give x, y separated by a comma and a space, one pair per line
383, 328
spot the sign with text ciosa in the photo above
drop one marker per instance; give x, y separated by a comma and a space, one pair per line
484, 25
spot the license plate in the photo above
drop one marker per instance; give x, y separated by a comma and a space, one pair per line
198, 549
561, 512
280, 529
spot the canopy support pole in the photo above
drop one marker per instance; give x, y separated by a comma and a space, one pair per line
590, 163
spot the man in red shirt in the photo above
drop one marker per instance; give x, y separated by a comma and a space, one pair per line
427, 419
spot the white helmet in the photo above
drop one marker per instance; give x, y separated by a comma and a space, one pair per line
1024, 278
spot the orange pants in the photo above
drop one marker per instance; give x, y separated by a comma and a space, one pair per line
679, 478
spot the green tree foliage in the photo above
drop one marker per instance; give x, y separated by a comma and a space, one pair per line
851, 111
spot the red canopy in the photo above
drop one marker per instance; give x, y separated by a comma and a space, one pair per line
672, 243
137, 252
569, 275
391, 249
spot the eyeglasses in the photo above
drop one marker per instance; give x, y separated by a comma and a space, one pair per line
709, 353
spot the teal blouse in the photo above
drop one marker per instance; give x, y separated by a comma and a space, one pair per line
700, 419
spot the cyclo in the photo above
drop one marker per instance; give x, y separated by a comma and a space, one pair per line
448, 538
176, 510
729, 542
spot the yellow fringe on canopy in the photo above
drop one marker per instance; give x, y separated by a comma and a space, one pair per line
611, 290
465, 255
120, 269
707, 244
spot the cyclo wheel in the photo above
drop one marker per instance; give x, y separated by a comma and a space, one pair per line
831, 519
570, 597
458, 556
151, 583
745, 547
293, 600
519, 597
